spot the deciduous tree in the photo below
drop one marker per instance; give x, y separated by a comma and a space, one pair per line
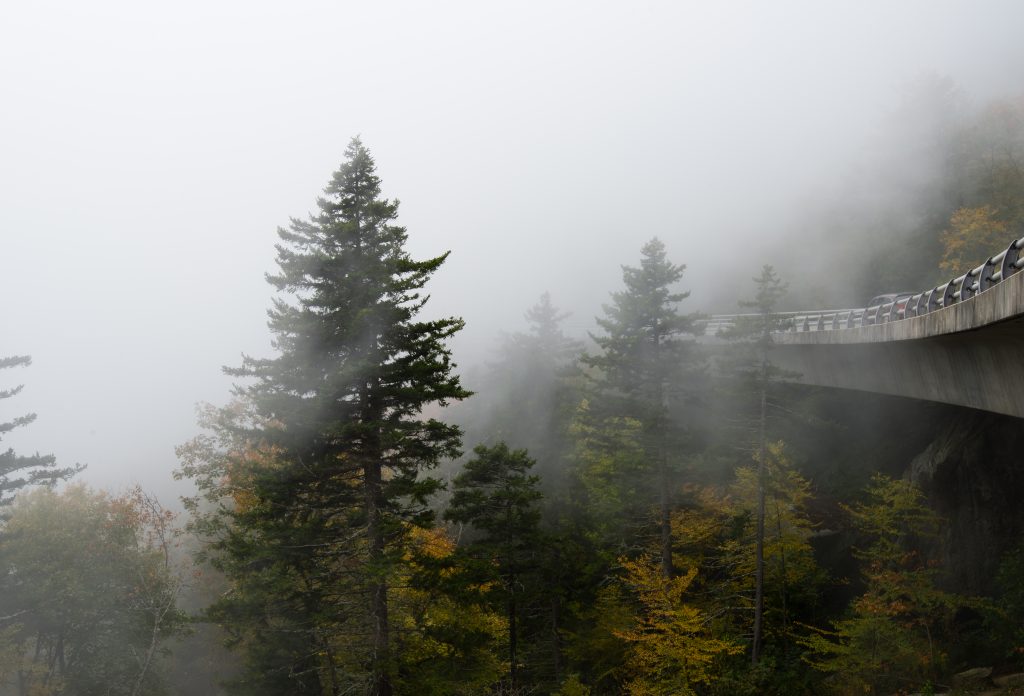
973, 235
89, 585
893, 635
671, 649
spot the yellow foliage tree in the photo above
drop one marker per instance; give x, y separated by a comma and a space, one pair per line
718, 535
672, 650
973, 235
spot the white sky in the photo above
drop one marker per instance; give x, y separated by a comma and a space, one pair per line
148, 151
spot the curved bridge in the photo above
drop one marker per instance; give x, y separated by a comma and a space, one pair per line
961, 343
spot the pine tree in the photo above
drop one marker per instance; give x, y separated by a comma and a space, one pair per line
644, 366
18, 471
338, 418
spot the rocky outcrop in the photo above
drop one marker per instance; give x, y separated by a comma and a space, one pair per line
1009, 681
973, 472
972, 678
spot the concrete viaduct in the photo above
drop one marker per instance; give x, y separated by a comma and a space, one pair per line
962, 343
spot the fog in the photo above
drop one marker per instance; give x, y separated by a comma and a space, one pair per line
149, 153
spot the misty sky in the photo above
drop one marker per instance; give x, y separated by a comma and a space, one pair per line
149, 151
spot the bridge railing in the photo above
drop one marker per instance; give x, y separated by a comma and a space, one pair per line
992, 272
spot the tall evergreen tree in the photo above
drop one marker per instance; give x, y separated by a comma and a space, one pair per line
644, 365
338, 420
18, 471
755, 331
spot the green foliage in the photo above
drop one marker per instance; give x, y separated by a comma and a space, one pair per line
641, 351
267, 607
770, 291
572, 686
717, 533
755, 374
593, 645
611, 474
496, 496
751, 334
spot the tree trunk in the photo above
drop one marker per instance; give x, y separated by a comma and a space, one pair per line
666, 521
381, 678
755, 649
665, 501
782, 570
512, 676
556, 642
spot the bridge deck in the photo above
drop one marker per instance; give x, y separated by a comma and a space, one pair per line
969, 353
999, 303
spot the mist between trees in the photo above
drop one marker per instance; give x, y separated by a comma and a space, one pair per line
633, 512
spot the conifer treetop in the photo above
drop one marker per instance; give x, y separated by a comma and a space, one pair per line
641, 344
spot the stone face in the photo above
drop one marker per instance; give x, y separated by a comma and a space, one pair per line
972, 677
1009, 680
975, 485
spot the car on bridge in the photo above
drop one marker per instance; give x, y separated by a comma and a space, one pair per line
888, 307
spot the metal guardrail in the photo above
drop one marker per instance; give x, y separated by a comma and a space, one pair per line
992, 272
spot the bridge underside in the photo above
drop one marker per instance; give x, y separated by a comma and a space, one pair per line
981, 368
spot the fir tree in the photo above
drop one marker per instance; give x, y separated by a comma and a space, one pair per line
644, 367
755, 331
526, 398
337, 418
